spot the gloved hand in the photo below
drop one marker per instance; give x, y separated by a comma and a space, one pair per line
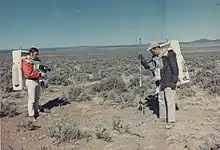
140, 57
173, 86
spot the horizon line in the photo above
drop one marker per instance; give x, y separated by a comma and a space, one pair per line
111, 45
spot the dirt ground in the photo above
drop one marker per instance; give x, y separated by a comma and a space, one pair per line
197, 126
108, 125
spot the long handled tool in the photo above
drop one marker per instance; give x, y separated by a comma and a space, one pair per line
141, 104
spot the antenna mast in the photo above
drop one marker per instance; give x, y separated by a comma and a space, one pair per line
139, 40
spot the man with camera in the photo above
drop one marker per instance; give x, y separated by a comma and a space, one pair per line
167, 63
32, 74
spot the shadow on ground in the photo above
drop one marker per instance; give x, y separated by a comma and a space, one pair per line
57, 102
153, 104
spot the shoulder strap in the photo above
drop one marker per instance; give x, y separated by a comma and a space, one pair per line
27, 59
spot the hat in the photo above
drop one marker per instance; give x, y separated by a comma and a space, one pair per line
152, 45
157, 44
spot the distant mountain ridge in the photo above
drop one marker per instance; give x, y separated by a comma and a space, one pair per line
200, 41
203, 40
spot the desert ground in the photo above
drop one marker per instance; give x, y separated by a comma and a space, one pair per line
92, 100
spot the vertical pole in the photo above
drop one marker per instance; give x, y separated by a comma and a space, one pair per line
140, 69
140, 75
141, 105
140, 40
166, 39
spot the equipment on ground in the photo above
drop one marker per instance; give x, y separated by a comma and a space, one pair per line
17, 74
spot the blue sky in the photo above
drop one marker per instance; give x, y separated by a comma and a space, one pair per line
56, 23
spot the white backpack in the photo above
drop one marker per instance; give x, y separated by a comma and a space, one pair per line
17, 74
183, 77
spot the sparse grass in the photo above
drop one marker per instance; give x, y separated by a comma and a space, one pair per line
27, 125
119, 126
44, 148
186, 91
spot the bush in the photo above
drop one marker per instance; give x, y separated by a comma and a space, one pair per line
8, 109
57, 79
6, 78
111, 83
124, 99
186, 91
101, 133
27, 125
73, 93
65, 131
77, 94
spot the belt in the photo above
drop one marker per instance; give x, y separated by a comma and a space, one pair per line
35, 79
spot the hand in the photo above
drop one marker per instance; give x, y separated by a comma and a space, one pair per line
43, 74
140, 56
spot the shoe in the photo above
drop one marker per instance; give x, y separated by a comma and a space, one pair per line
32, 119
163, 119
42, 113
169, 125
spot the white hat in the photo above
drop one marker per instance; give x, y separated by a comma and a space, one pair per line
156, 44
152, 45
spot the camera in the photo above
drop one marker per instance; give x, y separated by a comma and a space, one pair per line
44, 68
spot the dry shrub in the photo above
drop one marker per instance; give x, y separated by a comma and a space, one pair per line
82, 77
113, 82
66, 131
101, 133
123, 99
119, 126
6, 78
44, 148
186, 90
58, 79
207, 145
78, 94
148, 84
27, 125
205, 74
73, 93
84, 97
128, 100
8, 109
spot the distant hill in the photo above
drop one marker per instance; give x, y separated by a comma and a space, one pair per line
203, 43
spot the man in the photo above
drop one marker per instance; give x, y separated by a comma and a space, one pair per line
30, 67
154, 66
169, 77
